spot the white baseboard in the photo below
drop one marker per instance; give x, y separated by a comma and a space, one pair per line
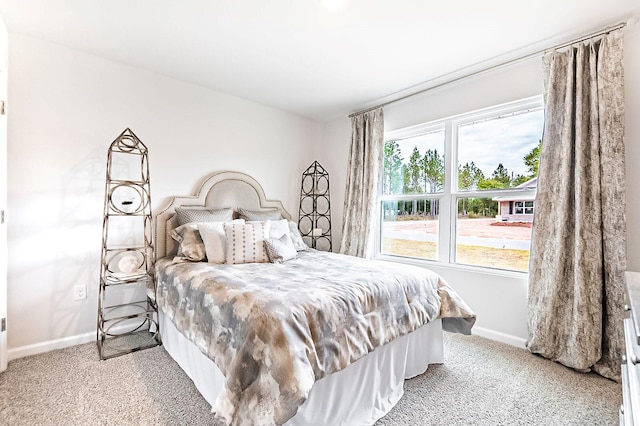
500, 337
65, 342
38, 348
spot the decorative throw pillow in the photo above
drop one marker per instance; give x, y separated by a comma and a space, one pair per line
215, 242
202, 214
245, 243
296, 237
253, 215
190, 244
277, 228
280, 249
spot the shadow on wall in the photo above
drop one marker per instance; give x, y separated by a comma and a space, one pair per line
78, 248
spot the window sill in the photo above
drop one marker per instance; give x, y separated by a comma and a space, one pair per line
453, 266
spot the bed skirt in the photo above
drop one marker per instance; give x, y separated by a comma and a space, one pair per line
358, 395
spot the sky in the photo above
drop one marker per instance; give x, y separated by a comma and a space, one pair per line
487, 143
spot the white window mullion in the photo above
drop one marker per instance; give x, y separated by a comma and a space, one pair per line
445, 222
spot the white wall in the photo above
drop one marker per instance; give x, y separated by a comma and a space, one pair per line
333, 157
66, 107
500, 300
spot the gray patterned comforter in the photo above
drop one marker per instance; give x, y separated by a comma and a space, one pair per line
274, 329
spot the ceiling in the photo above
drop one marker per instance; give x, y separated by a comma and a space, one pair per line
306, 58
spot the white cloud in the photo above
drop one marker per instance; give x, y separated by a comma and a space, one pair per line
505, 140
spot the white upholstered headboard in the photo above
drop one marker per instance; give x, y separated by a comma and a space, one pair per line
218, 190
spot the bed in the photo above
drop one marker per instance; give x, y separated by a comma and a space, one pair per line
301, 342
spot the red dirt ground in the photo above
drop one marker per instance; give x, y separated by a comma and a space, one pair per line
466, 227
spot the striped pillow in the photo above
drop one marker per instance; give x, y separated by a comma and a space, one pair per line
245, 243
196, 214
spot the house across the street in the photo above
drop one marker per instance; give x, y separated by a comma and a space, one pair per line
517, 208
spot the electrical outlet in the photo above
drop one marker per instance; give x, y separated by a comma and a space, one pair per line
79, 292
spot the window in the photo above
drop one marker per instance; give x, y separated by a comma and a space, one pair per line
410, 225
524, 207
462, 190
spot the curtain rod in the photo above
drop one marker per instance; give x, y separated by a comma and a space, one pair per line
494, 67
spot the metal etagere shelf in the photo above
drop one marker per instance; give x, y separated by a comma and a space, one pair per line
314, 217
127, 312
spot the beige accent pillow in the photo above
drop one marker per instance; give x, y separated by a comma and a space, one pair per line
215, 242
245, 243
190, 244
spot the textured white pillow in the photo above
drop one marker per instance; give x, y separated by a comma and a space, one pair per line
256, 215
294, 233
280, 249
278, 228
215, 242
245, 243
202, 214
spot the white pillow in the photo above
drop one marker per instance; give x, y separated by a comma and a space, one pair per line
280, 249
294, 233
284, 226
245, 242
215, 242
278, 228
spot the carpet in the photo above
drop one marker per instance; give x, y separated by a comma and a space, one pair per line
482, 382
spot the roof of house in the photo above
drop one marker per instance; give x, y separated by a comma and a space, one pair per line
531, 184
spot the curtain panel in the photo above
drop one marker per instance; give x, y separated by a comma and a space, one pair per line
578, 251
363, 179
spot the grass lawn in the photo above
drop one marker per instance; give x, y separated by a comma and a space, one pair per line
470, 255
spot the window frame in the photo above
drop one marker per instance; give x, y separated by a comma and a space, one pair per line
449, 196
528, 209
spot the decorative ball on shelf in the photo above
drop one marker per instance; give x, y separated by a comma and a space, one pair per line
128, 263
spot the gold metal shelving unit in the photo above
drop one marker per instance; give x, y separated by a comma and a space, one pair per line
127, 312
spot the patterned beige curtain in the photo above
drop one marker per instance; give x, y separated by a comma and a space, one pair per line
363, 179
576, 273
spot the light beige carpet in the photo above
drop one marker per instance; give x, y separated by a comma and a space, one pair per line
481, 383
